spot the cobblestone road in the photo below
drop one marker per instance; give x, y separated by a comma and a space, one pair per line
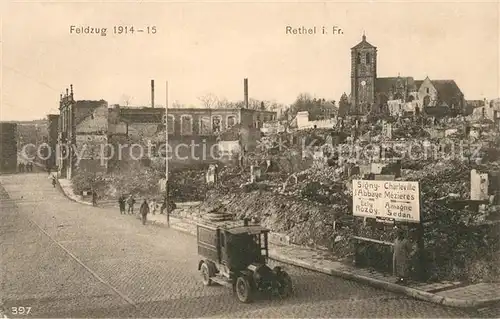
64, 259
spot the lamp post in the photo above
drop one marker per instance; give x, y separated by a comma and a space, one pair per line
167, 202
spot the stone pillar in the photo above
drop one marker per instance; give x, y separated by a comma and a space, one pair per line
478, 185
255, 173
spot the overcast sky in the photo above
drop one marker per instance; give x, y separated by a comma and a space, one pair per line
211, 47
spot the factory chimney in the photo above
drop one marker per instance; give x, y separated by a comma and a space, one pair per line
245, 88
152, 93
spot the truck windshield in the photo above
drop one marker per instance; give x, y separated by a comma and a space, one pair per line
246, 248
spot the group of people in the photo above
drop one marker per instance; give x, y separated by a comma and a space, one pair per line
127, 207
28, 167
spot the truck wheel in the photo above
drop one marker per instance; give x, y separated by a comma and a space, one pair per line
243, 290
205, 275
286, 287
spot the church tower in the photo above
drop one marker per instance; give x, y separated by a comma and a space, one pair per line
363, 76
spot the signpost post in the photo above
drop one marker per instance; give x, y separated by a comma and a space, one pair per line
167, 199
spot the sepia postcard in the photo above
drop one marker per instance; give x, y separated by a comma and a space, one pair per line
249, 159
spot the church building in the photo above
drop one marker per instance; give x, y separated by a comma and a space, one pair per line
369, 92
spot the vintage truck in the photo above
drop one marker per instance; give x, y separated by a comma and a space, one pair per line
234, 254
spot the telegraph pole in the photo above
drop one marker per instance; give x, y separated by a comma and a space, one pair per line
167, 200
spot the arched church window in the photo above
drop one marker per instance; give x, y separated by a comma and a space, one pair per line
359, 58
368, 58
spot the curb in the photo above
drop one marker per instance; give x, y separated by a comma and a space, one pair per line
69, 197
412, 292
182, 230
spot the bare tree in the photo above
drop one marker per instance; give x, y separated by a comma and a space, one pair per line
223, 103
209, 100
254, 104
126, 99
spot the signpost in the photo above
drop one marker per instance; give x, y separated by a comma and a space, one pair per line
391, 202
386, 199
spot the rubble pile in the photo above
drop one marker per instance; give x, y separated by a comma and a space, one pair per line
438, 180
188, 185
307, 223
409, 130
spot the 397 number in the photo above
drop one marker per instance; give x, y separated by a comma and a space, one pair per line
20, 310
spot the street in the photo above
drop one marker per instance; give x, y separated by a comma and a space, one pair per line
64, 259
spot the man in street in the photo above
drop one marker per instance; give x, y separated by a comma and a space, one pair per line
402, 256
131, 203
121, 203
94, 198
144, 211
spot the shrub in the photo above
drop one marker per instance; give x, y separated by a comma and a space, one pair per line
85, 180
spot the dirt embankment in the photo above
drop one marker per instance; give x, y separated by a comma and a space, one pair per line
306, 222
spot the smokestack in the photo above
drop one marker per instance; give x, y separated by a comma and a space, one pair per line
245, 86
152, 93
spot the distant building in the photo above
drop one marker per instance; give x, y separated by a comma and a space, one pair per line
369, 92
302, 122
8, 147
53, 128
83, 128
488, 111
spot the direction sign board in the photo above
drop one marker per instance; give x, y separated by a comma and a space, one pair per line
386, 199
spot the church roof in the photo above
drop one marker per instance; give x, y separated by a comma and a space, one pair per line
418, 83
447, 89
363, 44
384, 85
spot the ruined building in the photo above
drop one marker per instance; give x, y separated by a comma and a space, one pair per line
99, 138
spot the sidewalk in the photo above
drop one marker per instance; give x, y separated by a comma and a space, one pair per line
454, 294
67, 189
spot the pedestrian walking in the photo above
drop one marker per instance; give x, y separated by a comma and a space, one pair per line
144, 211
131, 203
94, 198
121, 203
152, 207
163, 205
48, 170
401, 257
54, 181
